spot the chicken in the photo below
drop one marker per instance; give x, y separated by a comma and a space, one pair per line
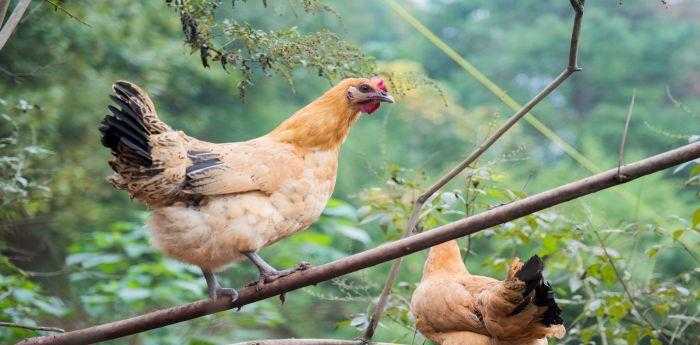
451, 306
216, 204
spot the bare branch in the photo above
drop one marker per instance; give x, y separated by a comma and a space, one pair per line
375, 256
621, 159
12, 22
571, 67
34, 328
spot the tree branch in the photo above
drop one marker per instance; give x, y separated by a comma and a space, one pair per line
571, 68
12, 22
375, 256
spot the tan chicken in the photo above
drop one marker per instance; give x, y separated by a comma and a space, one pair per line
452, 307
215, 204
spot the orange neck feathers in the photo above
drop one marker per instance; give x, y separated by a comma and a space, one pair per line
322, 124
443, 259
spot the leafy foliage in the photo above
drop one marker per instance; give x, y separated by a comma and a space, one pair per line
20, 179
605, 297
248, 49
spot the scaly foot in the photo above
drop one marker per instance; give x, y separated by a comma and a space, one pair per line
268, 274
215, 290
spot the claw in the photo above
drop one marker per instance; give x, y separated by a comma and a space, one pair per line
269, 274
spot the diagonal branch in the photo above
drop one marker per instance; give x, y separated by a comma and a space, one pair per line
12, 22
571, 68
375, 256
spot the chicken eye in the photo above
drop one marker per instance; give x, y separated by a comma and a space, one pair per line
364, 88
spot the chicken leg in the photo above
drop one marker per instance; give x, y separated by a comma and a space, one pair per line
268, 274
215, 290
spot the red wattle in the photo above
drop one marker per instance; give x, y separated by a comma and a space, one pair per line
369, 107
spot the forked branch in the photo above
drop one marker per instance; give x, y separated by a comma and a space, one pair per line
375, 256
571, 68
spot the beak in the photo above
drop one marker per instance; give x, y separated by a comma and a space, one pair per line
383, 97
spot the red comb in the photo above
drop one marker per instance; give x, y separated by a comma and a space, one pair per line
380, 83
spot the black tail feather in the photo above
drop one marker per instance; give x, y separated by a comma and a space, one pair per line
531, 274
124, 132
544, 296
129, 114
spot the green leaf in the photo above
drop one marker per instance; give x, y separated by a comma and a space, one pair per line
662, 308
550, 245
607, 272
354, 233
678, 233
695, 170
53, 306
339, 208
696, 217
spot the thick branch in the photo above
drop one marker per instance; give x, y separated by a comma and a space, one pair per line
12, 22
571, 67
383, 253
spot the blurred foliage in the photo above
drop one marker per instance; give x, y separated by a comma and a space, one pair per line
21, 181
75, 251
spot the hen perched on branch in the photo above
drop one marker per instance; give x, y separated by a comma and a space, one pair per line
451, 306
214, 204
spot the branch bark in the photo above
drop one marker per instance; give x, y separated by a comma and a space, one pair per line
12, 22
383, 253
571, 68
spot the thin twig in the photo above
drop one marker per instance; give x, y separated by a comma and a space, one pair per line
34, 328
677, 103
58, 6
621, 159
599, 320
9, 28
571, 68
386, 252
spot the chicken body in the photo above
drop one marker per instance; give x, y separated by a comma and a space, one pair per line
220, 229
214, 204
452, 306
